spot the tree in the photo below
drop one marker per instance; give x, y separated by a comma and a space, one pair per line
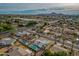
73, 42
5, 27
63, 25
49, 53
63, 38
60, 53
55, 38
31, 23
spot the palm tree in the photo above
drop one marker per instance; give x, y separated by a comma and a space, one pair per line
55, 39
62, 36
73, 42
72, 50
63, 39
63, 26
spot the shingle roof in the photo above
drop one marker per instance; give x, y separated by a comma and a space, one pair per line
6, 41
25, 42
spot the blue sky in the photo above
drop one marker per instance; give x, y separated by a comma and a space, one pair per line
38, 8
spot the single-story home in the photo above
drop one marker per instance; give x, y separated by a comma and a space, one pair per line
6, 41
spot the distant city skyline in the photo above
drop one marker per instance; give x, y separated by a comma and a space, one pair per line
38, 8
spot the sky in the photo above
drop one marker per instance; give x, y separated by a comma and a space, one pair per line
39, 8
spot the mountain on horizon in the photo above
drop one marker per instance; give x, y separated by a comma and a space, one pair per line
52, 14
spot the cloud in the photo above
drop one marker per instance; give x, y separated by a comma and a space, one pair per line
36, 8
